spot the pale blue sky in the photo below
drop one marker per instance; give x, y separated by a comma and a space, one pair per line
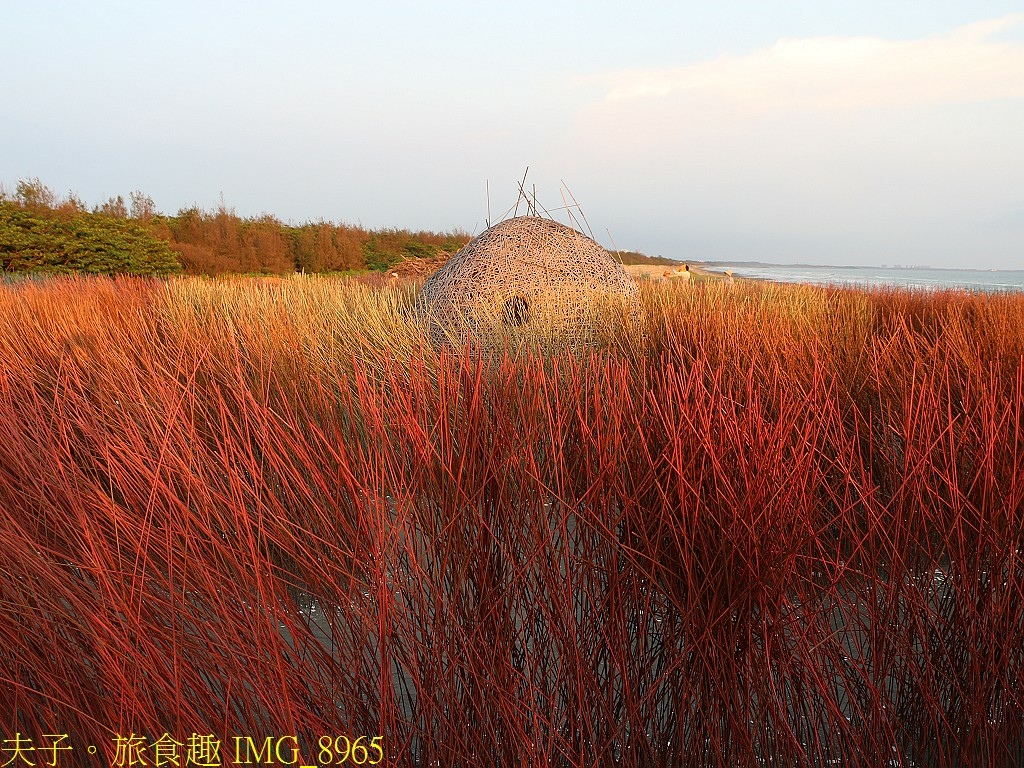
821, 132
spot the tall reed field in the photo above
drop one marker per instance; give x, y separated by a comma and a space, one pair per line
772, 525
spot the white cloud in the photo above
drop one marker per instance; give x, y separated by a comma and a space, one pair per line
871, 149
837, 73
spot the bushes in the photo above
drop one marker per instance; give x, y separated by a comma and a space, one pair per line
34, 240
383, 250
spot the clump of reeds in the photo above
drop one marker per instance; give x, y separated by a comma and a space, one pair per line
774, 525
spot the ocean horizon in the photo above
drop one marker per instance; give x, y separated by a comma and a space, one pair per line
905, 277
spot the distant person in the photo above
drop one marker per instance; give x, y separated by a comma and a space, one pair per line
729, 281
683, 274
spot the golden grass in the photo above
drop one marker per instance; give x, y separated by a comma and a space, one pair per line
760, 524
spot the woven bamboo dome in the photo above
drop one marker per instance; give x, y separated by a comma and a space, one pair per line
523, 274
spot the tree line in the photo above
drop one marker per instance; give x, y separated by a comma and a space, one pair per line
40, 231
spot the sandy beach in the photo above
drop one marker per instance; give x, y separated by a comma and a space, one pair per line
656, 271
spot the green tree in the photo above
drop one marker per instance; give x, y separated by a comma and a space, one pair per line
42, 241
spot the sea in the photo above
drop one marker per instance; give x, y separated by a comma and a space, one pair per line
906, 277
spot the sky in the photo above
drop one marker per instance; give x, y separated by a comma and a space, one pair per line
876, 132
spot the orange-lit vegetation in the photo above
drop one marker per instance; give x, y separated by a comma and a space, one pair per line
774, 522
199, 242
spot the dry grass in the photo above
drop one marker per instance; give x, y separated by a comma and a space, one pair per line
767, 522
